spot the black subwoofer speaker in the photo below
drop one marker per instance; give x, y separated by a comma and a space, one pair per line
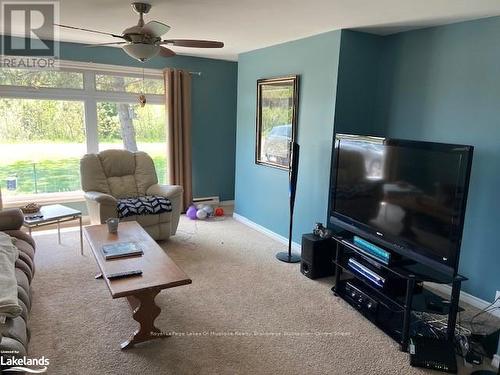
317, 256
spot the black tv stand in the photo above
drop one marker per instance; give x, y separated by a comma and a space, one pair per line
388, 310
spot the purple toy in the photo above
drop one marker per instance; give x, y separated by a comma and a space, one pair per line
191, 212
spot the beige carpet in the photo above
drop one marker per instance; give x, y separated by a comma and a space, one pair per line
284, 322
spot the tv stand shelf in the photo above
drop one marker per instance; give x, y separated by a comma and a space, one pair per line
414, 297
405, 268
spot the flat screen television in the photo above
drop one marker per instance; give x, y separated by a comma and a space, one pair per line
405, 195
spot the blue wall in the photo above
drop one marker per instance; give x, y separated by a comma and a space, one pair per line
262, 192
355, 106
438, 84
213, 116
443, 84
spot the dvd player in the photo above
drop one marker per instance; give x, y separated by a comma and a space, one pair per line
367, 273
390, 283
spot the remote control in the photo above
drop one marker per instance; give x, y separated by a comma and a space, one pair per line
119, 275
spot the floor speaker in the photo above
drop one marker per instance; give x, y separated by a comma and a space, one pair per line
317, 256
289, 257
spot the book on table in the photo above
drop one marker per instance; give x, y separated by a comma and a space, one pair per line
121, 249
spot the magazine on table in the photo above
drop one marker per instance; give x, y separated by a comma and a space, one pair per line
121, 249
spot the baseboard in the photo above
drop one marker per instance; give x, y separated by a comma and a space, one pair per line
478, 303
464, 297
264, 230
214, 200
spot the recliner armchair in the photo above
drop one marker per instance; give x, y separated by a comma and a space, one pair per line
114, 174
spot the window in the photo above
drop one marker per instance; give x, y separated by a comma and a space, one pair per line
41, 143
40, 78
134, 128
49, 119
106, 82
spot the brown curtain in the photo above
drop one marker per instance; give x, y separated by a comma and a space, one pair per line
178, 106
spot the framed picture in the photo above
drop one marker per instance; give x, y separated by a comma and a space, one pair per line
277, 104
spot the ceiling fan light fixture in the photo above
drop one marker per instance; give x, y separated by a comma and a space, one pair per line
141, 51
144, 40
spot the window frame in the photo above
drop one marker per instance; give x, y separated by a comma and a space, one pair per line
89, 94
90, 97
121, 74
35, 89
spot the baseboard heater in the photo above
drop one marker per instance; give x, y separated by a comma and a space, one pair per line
207, 200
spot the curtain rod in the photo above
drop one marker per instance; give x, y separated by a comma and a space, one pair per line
195, 73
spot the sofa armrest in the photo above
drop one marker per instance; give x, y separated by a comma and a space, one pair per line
11, 219
167, 191
101, 198
20, 235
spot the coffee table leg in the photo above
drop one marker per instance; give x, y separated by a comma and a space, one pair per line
59, 232
145, 311
81, 236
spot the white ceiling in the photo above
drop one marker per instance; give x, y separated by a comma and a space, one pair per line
245, 25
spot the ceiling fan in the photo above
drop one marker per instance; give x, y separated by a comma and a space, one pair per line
144, 40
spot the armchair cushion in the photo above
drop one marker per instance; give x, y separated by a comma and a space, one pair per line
123, 186
147, 205
116, 163
120, 173
145, 172
92, 174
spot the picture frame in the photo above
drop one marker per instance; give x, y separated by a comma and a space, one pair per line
276, 120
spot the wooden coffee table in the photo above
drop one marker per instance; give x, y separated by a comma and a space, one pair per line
158, 272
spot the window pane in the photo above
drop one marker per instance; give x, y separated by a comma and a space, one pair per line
132, 127
41, 78
41, 143
105, 82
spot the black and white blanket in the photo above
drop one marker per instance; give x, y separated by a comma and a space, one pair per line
147, 205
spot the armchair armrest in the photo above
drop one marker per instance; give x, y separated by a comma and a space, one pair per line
100, 206
11, 219
174, 194
101, 198
167, 191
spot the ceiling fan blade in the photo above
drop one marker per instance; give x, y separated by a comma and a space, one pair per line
165, 52
89, 30
193, 43
155, 28
104, 44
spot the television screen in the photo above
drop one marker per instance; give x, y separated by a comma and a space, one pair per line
409, 194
